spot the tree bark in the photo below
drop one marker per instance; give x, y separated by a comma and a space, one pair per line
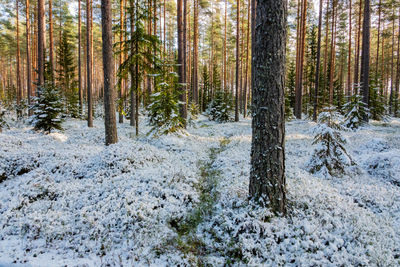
28, 59
318, 62
89, 64
19, 87
349, 86
108, 71
357, 57
237, 60
40, 42
51, 48
195, 51
224, 61
396, 97
365, 55
121, 87
181, 59
378, 36
333, 54
267, 174
247, 62
79, 61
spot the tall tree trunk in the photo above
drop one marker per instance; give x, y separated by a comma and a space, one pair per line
357, 57
300, 58
132, 121
365, 54
28, 59
89, 64
40, 42
19, 87
195, 51
51, 48
247, 61
225, 43
79, 61
108, 71
237, 60
317, 67
378, 36
332, 58
181, 58
121, 55
396, 97
267, 174
392, 67
349, 56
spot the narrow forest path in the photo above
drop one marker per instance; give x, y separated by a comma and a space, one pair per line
187, 241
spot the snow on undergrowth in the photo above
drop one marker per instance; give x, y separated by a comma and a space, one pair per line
66, 199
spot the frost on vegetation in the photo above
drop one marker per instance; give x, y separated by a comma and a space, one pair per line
3, 122
329, 158
356, 111
220, 109
163, 111
47, 109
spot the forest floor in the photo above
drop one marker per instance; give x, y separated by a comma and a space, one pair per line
68, 200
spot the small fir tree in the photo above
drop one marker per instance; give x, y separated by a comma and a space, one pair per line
47, 109
330, 157
376, 101
3, 123
66, 74
163, 111
355, 110
220, 108
206, 89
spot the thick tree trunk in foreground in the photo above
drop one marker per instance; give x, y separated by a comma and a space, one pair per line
51, 48
108, 69
365, 54
19, 85
267, 176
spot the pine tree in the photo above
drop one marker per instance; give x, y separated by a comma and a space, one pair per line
330, 157
66, 74
47, 109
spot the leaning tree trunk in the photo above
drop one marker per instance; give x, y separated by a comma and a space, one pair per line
365, 55
267, 175
108, 71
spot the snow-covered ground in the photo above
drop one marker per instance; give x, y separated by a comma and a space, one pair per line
66, 199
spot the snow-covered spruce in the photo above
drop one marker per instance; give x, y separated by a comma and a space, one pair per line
47, 110
3, 123
164, 111
329, 157
356, 111
220, 108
